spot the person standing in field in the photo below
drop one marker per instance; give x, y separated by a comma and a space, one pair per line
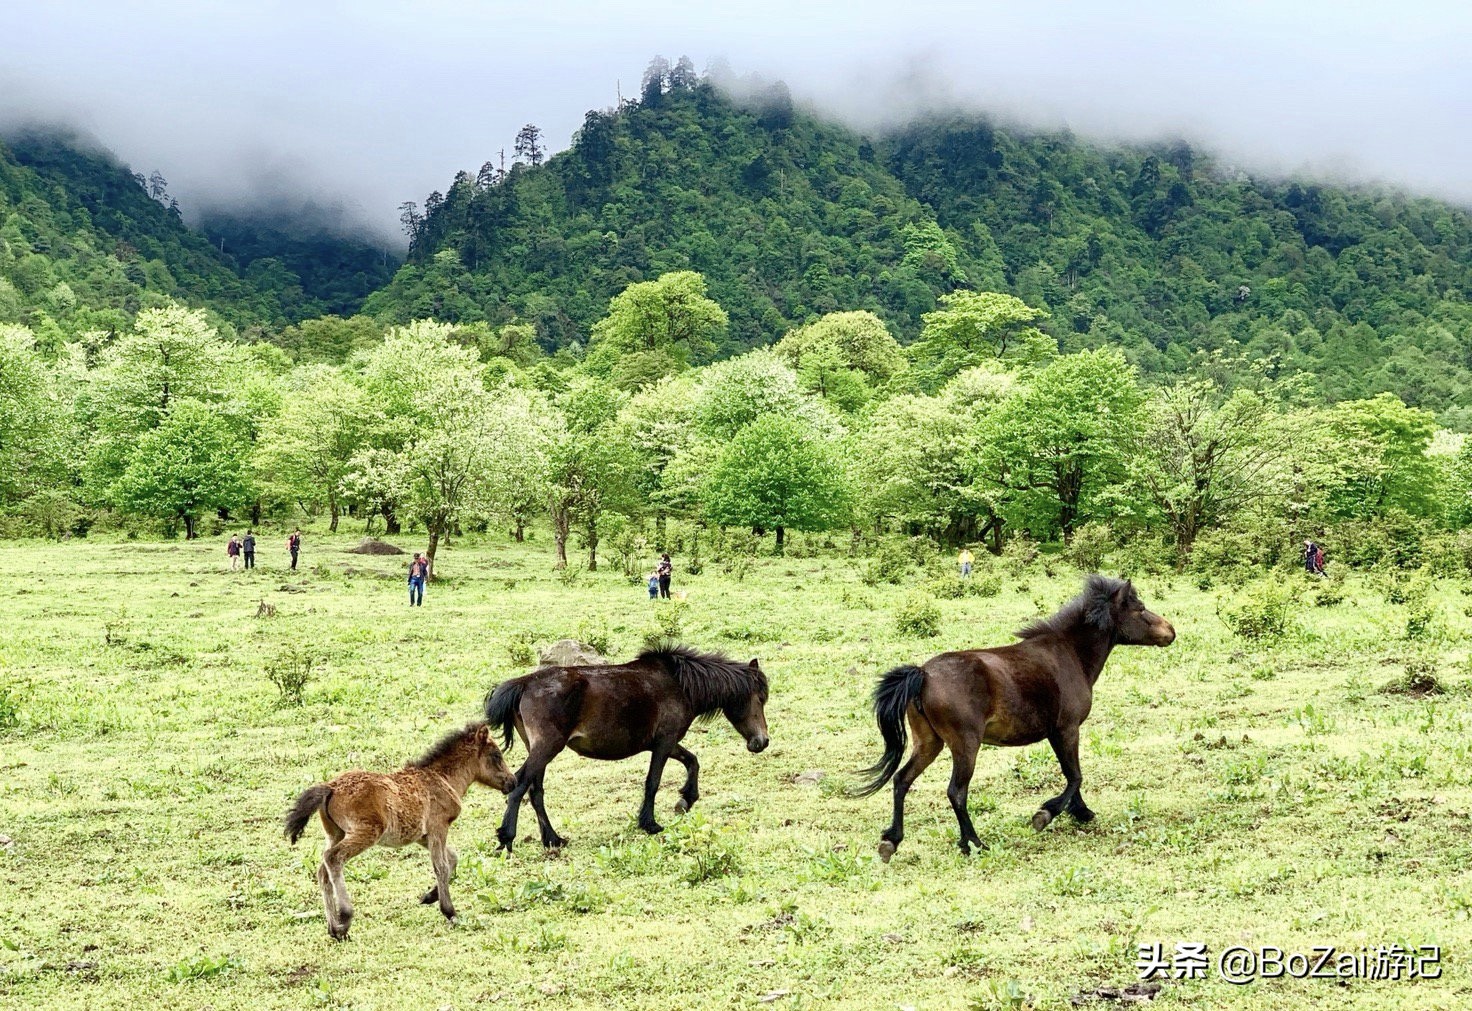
248, 548
1313, 559
294, 545
654, 584
233, 551
418, 573
965, 560
664, 570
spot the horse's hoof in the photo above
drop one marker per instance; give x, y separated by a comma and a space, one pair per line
681, 807
1082, 815
886, 850
430, 897
555, 843
1040, 821
653, 828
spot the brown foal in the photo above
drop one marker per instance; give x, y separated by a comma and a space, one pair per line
1038, 689
417, 804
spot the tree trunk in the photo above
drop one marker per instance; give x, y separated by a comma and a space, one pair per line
255, 513
520, 532
659, 530
593, 545
781, 539
188, 527
390, 521
560, 523
434, 543
332, 505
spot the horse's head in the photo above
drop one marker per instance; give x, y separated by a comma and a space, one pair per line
749, 716
1135, 624
491, 768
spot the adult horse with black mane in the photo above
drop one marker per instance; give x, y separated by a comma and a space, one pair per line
614, 711
1039, 688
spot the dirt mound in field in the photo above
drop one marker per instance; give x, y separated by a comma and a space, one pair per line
373, 546
571, 653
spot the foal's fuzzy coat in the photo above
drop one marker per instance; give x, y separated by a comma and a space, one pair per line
417, 804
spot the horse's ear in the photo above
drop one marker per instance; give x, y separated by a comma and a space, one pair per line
482, 733
754, 665
1122, 593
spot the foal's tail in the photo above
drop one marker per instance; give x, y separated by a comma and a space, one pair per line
501, 706
312, 800
892, 696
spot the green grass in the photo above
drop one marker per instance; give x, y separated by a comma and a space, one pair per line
1262, 791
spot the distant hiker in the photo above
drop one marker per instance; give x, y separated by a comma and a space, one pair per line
1313, 559
248, 548
418, 573
294, 545
233, 550
965, 559
664, 570
654, 584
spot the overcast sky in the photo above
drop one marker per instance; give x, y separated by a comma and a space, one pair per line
372, 103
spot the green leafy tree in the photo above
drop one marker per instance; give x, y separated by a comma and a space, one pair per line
1059, 446
187, 465
526, 429
662, 325
1207, 456
34, 424
778, 474
1378, 449
843, 357
733, 393
973, 326
306, 450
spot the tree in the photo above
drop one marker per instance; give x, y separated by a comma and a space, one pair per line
657, 424
972, 326
777, 473
306, 450
1380, 460
33, 422
590, 470
529, 144
526, 430
185, 466
736, 392
1207, 456
843, 357
1059, 445
670, 320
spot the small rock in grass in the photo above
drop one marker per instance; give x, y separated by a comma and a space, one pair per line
812, 777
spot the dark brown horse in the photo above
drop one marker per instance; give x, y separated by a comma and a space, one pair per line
617, 711
1036, 689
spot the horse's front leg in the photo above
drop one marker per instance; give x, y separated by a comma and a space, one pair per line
690, 792
443, 859
550, 839
1065, 745
657, 758
529, 775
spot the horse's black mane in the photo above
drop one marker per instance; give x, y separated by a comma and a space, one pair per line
1092, 607
444, 746
710, 681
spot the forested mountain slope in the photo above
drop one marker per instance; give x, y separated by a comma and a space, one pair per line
1163, 252
84, 244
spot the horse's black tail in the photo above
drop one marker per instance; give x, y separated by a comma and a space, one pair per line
312, 799
501, 706
892, 696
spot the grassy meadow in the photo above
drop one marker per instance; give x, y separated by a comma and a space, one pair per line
1248, 792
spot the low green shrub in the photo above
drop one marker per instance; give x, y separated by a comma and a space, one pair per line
918, 615
1263, 610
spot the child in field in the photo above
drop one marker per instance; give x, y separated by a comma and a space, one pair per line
965, 559
654, 584
233, 551
418, 573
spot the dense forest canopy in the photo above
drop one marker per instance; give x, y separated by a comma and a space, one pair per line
1163, 252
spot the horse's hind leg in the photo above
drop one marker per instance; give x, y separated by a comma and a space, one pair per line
690, 792
354, 842
539, 754
1065, 745
963, 765
927, 746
